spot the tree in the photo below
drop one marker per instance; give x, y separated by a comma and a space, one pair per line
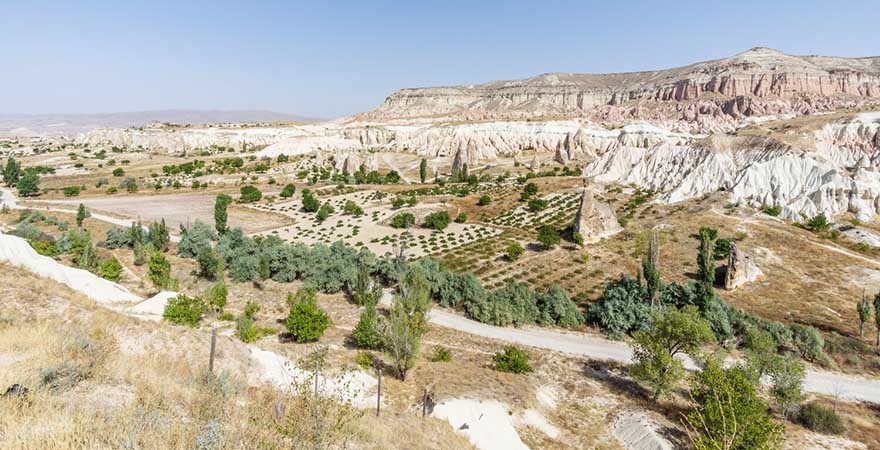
423, 170
159, 271
110, 269
461, 218
675, 331
512, 360
877, 315
761, 353
556, 308
288, 190
183, 310
81, 214
729, 414
529, 190
210, 265
309, 202
352, 209
514, 251
216, 295
365, 291
366, 332
437, 220
220, 216
392, 177
118, 172
250, 194
11, 172
158, 235
28, 184
705, 257
401, 338
818, 224
403, 220
548, 236
651, 269
787, 388
324, 212
863, 307
306, 322
538, 204
484, 200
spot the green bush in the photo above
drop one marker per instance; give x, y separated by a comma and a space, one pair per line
183, 310
461, 218
110, 269
537, 204
514, 251
324, 212
808, 342
438, 220
306, 321
194, 238
210, 265
245, 329
622, 308
118, 172
118, 238
548, 236
771, 210
514, 303
820, 419
288, 190
364, 360
556, 308
249, 194
159, 271
309, 202
352, 209
366, 332
441, 354
512, 360
818, 224
71, 191
216, 295
403, 220
484, 200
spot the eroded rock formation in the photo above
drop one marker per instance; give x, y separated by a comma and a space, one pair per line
741, 269
594, 220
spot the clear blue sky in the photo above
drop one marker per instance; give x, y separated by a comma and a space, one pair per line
332, 58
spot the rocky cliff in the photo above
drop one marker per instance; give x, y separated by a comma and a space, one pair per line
712, 94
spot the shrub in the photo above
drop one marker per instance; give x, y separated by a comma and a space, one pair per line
808, 342
129, 184
118, 172
529, 190
441, 354
159, 271
461, 218
28, 184
820, 419
403, 220
288, 190
771, 210
818, 224
484, 200
622, 308
216, 295
511, 304
183, 310
118, 238
249, 194
158, 235
366, 332
309, 202
110, 269
537, 204
514, 251
438, 220
324, 212
548, 236
306, 321
245, 329
352, 209
556, 308
71, 191
722, 248
364, 360
512, 360
194, 238
210, 265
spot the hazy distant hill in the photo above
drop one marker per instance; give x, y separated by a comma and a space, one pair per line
24, 124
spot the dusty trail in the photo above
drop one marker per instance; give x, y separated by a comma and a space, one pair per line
8, 198
845, 387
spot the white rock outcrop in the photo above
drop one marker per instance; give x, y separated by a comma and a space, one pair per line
594, 220
741, 269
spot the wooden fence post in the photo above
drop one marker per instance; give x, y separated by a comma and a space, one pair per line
213, 348
378, 391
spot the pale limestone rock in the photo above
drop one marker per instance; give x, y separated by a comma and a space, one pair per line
594, 220
741, 269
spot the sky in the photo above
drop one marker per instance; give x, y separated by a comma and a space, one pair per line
329, 59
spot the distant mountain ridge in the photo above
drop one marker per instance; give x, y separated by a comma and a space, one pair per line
759, 81
25, 124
